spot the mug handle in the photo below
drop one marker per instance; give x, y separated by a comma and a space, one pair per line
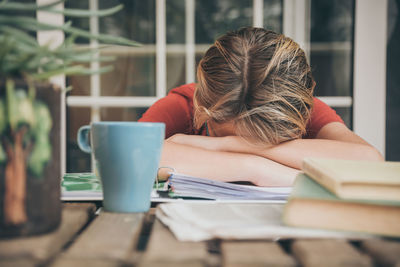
83, 139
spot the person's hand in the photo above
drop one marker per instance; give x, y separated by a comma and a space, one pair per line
163, 173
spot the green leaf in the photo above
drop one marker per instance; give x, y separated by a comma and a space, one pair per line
69, 12
14, 6
6, 46
3, 2
66, 70
101, 70
3, 118
87, 58
22, 61
33, 25
19, 35
11, 104
3, 155
41, 152
5, 5
24, 109
42, 114
39, 157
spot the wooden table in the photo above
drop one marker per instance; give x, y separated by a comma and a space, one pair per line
112, 239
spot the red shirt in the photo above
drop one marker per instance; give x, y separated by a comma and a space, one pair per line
176, 111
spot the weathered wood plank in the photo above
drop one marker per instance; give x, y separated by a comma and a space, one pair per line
315, 253
110, 237
384, 252
24, 262
236, 254
38, 249
164, 249
66, 262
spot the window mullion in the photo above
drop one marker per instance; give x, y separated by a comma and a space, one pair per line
258, 13
161, 64
55, 38
190, 40
94, 65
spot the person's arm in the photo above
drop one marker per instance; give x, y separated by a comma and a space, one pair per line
224, 166
334, 140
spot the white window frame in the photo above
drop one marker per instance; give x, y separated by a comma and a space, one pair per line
369, 68
296, 25
369, 88
55, 38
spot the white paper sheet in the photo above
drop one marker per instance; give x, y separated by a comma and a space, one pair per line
204, 221
189, 186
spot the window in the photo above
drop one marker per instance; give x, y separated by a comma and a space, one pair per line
176, 33
331, 53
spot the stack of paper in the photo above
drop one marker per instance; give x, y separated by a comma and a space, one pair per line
193, 187
200, 221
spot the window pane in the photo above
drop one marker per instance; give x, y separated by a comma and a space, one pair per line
121, 114
133, 74
273, 15
214, 18
22, 13
136, 21
81, 23
175, 21
175, 70
393, 83
331, 53
346, 115
134, 68
80, 85
77, 160
176, 56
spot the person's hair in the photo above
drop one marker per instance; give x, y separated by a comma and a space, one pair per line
258, 80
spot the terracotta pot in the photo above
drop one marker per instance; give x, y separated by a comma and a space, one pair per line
42, 206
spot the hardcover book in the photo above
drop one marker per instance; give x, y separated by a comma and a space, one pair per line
356, 179
311, 205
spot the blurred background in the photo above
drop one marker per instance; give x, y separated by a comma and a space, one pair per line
175, 34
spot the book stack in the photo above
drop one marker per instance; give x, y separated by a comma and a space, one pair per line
346, 195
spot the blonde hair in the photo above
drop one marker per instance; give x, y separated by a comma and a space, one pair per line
258, 80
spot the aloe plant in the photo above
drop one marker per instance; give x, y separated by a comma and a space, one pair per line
25, 122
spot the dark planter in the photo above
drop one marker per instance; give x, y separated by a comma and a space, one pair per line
42, 204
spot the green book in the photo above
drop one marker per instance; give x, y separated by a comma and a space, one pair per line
81, 182
311, 205
89, 181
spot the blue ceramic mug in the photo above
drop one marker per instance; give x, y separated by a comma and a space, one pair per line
127, 155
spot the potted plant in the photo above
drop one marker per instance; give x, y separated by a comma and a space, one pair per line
29, 106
